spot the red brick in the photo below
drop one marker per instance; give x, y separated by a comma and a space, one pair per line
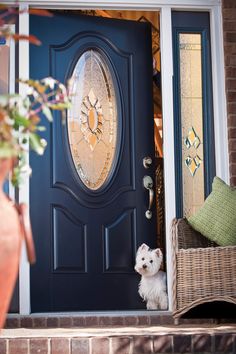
65, 322
131, 320
198, 321
224, 343
78, 321
18, 346
230, 48
167, 320
232, 157
38, 346
182, 344
80, 346
229, 14
163, 344
231, 84
3, 346
117, 321
230, 72
100, 345
155, 320
142, 344
26, 322
202, 343
120, 345
229, 4
232, 120
230, 37
229, 26
232, 133
104, 321
231, 96
233, 169
39, 322
143, 320
60, 346
233, 181
231, 107
52, 322
12, 323
230, 60
232, 145
91, 321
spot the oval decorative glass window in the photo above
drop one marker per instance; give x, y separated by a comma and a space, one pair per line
92, 119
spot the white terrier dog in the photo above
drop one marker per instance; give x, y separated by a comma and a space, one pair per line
152, 287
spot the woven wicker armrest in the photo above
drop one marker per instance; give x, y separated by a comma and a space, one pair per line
203, 275
187, 237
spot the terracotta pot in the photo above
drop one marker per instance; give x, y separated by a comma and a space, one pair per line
13, 227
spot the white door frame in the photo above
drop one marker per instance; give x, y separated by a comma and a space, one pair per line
220, 117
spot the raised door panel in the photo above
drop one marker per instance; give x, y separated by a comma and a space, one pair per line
69, 242
119, 243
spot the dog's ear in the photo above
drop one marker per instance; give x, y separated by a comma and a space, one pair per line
158, 252
143, 247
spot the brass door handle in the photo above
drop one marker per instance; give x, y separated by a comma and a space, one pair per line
148, 184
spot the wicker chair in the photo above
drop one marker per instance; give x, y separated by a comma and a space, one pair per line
203, 271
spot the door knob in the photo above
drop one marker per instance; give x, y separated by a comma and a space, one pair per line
148, 184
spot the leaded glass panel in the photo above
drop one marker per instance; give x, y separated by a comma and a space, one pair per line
92, 119
190, 51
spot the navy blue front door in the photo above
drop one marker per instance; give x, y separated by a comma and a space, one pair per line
86, 238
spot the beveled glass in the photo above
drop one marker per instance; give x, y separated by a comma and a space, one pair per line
190, 50
92, 119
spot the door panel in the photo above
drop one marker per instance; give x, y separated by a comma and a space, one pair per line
86, 238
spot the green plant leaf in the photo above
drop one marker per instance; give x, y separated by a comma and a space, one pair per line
36, 143
40, 128
60, 106
6, 150
20, 121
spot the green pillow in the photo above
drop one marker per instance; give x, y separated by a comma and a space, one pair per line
216, 219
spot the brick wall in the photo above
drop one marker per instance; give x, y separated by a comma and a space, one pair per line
229, 28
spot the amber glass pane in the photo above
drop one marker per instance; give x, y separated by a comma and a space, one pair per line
92, 119
192, 121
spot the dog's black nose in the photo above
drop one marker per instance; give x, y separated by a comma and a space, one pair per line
144, 266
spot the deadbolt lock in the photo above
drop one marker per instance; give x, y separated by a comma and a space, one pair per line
147, 161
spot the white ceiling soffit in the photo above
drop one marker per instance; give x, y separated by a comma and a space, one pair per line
124, 4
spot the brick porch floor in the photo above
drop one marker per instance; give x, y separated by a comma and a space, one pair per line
127, 338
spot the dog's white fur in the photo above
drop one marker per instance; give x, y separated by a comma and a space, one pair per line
152, 287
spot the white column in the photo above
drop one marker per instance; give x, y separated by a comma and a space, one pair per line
168, 133
24, 271
219, 96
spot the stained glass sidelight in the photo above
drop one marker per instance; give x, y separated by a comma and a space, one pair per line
190, 49
92, 119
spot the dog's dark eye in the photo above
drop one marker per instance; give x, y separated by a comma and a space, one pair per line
143, 259
151, 261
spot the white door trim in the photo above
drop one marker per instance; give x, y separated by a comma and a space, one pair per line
24, 270
220, 119
219, 95
168, 134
